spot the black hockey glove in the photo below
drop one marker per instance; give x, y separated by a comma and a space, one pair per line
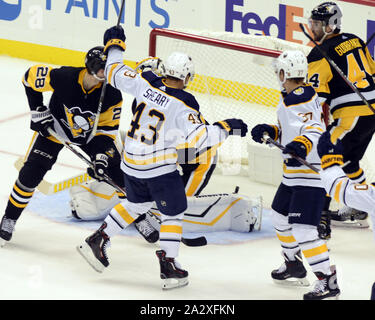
300, 146
114, 37
259, 130
330, 154
41, 120
100, 167
233, 127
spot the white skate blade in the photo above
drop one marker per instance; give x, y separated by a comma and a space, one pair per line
293, 282
350, 223
173, 283
85, 251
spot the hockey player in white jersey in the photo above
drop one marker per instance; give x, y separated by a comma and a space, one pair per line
164, 120
299, 200
339, 186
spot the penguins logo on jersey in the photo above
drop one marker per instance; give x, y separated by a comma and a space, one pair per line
79, 122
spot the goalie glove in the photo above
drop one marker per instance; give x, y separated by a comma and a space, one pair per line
260, 130
41, 120
148, 64
233, 126
114, 37
100, 167
330, 154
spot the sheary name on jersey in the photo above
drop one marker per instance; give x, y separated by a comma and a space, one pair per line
151, 143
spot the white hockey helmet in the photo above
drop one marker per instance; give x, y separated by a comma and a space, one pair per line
179, 65
293, 63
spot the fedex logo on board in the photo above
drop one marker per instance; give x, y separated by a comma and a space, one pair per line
251, 23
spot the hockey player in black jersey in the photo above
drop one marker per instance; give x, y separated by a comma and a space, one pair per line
353, 121
71, 113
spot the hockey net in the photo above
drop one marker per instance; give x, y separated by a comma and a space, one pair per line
233, 79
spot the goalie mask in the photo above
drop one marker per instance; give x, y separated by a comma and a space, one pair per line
95, 60
330, 14
179, 65
293, 63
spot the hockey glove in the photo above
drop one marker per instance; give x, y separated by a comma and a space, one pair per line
233, 126
300, 146
100, 167
260, 130
41, 120
330, 154
114, 37
150, 63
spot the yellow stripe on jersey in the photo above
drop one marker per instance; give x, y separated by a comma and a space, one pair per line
298, 170
38, 78
150, 160
314, 128
198, 177
124, 214
350, 111
344, 126
109, 118
315, 251
113, 67
319, 75
337, 191
354, 174
30, 146
171, 229
193, 142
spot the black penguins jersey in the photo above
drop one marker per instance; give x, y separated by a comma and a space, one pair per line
72, 107
353, 58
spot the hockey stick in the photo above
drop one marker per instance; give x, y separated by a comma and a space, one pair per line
49, 188
83, 158
338, 70
299, 159
190, 242
102, 93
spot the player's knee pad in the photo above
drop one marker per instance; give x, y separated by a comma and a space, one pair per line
304, 232
279, 221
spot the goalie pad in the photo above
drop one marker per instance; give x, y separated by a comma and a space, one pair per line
92, 200
217, 212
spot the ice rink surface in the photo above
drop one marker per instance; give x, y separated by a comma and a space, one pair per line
41, 261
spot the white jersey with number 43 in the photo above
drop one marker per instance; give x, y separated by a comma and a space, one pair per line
166, 119
300, 114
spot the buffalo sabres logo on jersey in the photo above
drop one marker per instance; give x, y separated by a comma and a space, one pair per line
78, 122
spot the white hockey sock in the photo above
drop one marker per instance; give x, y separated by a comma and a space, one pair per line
170, 235
314, 249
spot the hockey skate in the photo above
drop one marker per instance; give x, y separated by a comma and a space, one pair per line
6, 230
291, 273
349, 218
94, 250
325, 287
146, 229
171, 273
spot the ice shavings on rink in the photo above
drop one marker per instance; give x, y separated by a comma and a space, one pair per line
56, 207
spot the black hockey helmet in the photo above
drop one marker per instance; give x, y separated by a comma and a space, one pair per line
328, 12
95, 59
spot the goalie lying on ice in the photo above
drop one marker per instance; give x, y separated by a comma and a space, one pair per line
216, 212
